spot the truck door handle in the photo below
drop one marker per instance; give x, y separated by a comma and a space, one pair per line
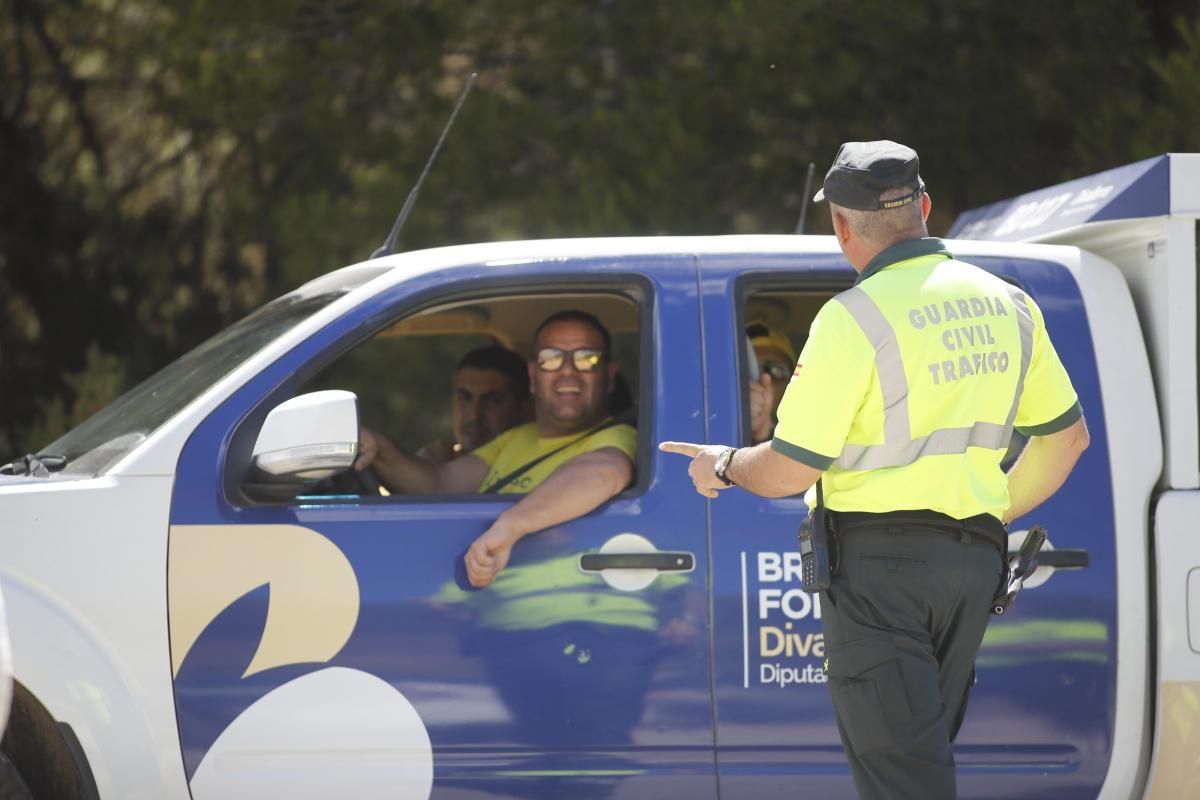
663, 561
1061, 559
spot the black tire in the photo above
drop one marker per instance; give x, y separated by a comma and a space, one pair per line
12, 787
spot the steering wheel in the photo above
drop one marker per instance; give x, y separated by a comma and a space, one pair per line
350, 481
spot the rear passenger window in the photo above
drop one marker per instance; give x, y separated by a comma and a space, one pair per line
776, 323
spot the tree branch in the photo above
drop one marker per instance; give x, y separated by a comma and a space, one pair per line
73, 87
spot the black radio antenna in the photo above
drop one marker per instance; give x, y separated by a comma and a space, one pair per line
390, 243
805, 200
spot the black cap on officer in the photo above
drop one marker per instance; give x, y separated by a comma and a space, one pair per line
862, 171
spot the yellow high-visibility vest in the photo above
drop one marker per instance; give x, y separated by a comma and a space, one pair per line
911, 383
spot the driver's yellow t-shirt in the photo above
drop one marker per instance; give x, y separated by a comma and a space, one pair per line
520, 445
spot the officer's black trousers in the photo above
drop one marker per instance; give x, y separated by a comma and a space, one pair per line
903, 622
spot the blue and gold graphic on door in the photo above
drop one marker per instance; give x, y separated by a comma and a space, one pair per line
266, 608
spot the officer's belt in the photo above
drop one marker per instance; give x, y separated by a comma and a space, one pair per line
984, 526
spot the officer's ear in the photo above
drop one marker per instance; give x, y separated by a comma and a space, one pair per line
926, 206
841, 226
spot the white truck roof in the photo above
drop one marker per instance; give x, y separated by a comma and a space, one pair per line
1143, 217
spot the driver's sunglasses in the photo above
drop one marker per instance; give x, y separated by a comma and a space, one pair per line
778, 370
585, 359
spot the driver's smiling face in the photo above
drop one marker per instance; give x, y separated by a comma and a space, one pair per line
568, 401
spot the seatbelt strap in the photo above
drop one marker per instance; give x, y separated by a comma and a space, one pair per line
521, 470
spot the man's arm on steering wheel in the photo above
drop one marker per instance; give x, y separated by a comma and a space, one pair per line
407, 474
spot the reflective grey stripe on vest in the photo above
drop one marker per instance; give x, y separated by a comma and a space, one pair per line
899, 448
1025, 326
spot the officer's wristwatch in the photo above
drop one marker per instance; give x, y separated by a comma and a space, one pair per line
722, 464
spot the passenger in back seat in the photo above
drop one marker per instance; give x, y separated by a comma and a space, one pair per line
490, 395
776, 362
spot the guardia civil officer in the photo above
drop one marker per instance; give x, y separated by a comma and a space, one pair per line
903, 402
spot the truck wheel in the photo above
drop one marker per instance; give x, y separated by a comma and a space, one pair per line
11, 785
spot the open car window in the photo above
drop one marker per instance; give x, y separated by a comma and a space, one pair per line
404, 375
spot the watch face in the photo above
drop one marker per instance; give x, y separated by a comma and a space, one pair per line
723, 464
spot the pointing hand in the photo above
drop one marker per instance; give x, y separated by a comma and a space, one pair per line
703, 456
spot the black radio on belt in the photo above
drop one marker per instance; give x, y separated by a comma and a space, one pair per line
1018, 568
816, 560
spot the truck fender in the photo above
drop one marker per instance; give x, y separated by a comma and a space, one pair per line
72, 688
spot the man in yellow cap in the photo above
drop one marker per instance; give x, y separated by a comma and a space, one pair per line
776, 361
912, 384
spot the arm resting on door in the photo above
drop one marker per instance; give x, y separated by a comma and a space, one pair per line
571, 491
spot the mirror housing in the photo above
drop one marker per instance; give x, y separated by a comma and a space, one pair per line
304, 440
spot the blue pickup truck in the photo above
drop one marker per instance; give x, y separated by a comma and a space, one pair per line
182, 628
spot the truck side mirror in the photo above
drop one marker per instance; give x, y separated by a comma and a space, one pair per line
302, 441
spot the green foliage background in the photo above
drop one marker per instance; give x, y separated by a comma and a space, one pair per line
169, 166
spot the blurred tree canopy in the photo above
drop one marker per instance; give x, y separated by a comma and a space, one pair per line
169, 166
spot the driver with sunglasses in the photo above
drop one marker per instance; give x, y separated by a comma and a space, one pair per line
776, 362
568, 461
